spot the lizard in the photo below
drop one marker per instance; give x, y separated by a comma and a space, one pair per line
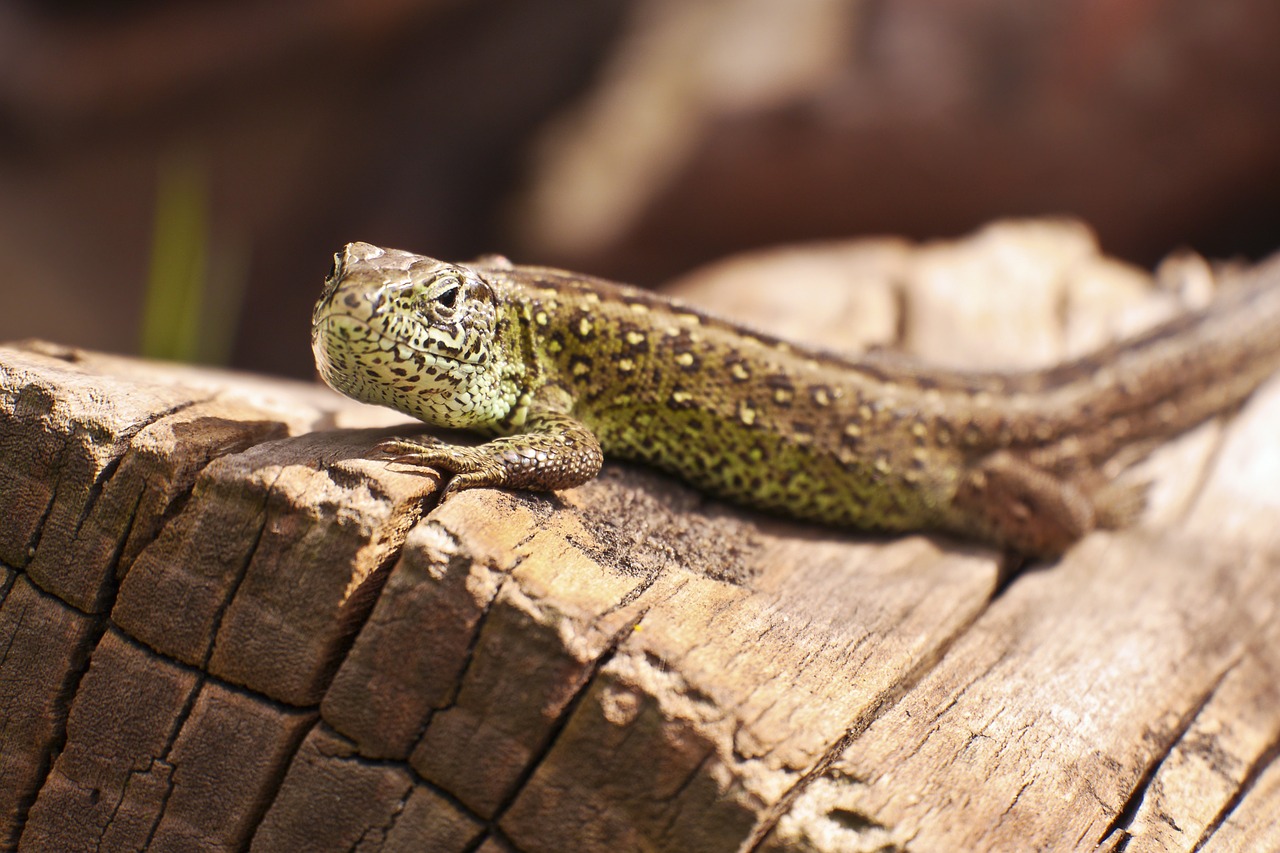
558, 369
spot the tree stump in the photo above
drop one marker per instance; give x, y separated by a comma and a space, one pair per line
223, 625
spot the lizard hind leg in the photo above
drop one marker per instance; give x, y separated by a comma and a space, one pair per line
1119, 502
1016, 505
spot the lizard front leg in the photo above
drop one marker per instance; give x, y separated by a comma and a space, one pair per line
555, 451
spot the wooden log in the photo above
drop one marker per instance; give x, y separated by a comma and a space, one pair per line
224, 626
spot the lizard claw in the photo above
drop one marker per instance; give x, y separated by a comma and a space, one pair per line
425, 452
404, 446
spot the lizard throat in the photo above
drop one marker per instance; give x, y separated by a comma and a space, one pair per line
357, 360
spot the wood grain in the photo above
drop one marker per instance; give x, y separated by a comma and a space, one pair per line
224, 626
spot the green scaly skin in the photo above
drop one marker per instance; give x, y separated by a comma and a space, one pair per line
564, 369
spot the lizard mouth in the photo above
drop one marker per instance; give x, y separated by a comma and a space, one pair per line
351, 352
337, 333
333, 328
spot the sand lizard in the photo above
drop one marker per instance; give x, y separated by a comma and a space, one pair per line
565, 368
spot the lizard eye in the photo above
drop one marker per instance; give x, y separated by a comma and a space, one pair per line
448, 298
443, 295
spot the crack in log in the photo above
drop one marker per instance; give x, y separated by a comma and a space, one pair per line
241, 573
636, 592
1137, 795
886, 701
121, 447
1013, 803
392, 819
82, 656
672, 815
37, 532
355, 757
468, 654
175, 731
1257, 767
402, 523
495, 834
164, 802
171, 510
381, 552
155, 761
78, 665
4, 653
25, 803
271, 792
110, 588
99, 484
209, 677
115, 809
492, 827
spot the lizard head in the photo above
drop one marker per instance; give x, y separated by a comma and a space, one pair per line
413, 333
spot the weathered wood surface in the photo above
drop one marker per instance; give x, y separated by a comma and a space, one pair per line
223, 626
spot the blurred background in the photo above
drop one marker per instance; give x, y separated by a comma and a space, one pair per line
174, 177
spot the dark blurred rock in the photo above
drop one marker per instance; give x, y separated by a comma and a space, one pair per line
1157, 121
